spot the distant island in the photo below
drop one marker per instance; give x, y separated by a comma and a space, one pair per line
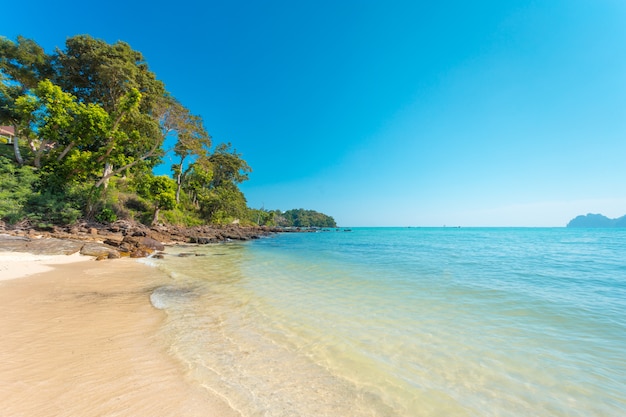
597, 220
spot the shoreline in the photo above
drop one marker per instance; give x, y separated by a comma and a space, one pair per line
81, 338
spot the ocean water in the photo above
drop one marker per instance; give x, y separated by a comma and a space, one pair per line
405, 322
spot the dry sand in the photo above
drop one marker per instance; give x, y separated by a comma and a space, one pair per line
81, 339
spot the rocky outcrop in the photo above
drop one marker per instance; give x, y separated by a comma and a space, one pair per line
122, 238
50, 246
99, 251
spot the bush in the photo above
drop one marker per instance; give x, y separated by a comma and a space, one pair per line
106, 215
16, 186
47, 208
182, 218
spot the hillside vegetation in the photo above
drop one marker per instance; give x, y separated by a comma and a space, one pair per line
90, 123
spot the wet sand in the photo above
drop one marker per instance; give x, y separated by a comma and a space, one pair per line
82, 339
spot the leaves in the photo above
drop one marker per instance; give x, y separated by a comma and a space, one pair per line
93, 112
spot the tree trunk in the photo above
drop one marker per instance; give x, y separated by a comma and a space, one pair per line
179, 184
16, 148
155, 219
106, 174
179, 178
39, 153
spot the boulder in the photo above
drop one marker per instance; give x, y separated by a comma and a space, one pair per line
114, 240
147, 242
39, 246
141, 252
99, 251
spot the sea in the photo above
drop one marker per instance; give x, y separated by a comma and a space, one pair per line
404, 321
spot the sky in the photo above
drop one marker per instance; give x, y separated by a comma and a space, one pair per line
390, 113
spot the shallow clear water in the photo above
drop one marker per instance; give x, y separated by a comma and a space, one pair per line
405, 322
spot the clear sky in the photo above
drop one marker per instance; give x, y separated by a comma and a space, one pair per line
390, 113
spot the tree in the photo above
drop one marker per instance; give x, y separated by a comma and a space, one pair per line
92, 111
212, 184
97, 72
228, 166
307, 218
62, 124
161, 191
22, 65
223, 204
198, 180
192, 140
118, 79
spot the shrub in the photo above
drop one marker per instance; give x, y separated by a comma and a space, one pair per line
16, 186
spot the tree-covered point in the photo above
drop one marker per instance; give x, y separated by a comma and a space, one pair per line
304, 218
89, 125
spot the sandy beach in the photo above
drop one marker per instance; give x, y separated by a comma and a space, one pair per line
80, 338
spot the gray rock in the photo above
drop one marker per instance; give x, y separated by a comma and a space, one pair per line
99, 250
39, 246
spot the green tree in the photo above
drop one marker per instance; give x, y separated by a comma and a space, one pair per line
228, 166
306, 218
225, 201
23, 64
192, 141
161, 191
97, 72
16, 187
62, 125
117, 78
223, 204
198, 180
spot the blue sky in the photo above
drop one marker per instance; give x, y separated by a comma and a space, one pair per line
391, 113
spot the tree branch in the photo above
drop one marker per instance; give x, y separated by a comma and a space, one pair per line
135, 162
66, 150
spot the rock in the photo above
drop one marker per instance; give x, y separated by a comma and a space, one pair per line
152, 243
122, 237
146, 242
114, 240
39, 246
202, 240
99, 250
140, 253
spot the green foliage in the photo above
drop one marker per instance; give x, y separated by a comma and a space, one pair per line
223, 205
228, 166
261, 217
160, 190
48, 208
101, 73
106, 215
180, 217
306, 218
95, 119
16, 186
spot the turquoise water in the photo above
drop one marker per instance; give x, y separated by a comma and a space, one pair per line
405, 322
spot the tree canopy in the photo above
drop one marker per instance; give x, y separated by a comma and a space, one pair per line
91, 122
